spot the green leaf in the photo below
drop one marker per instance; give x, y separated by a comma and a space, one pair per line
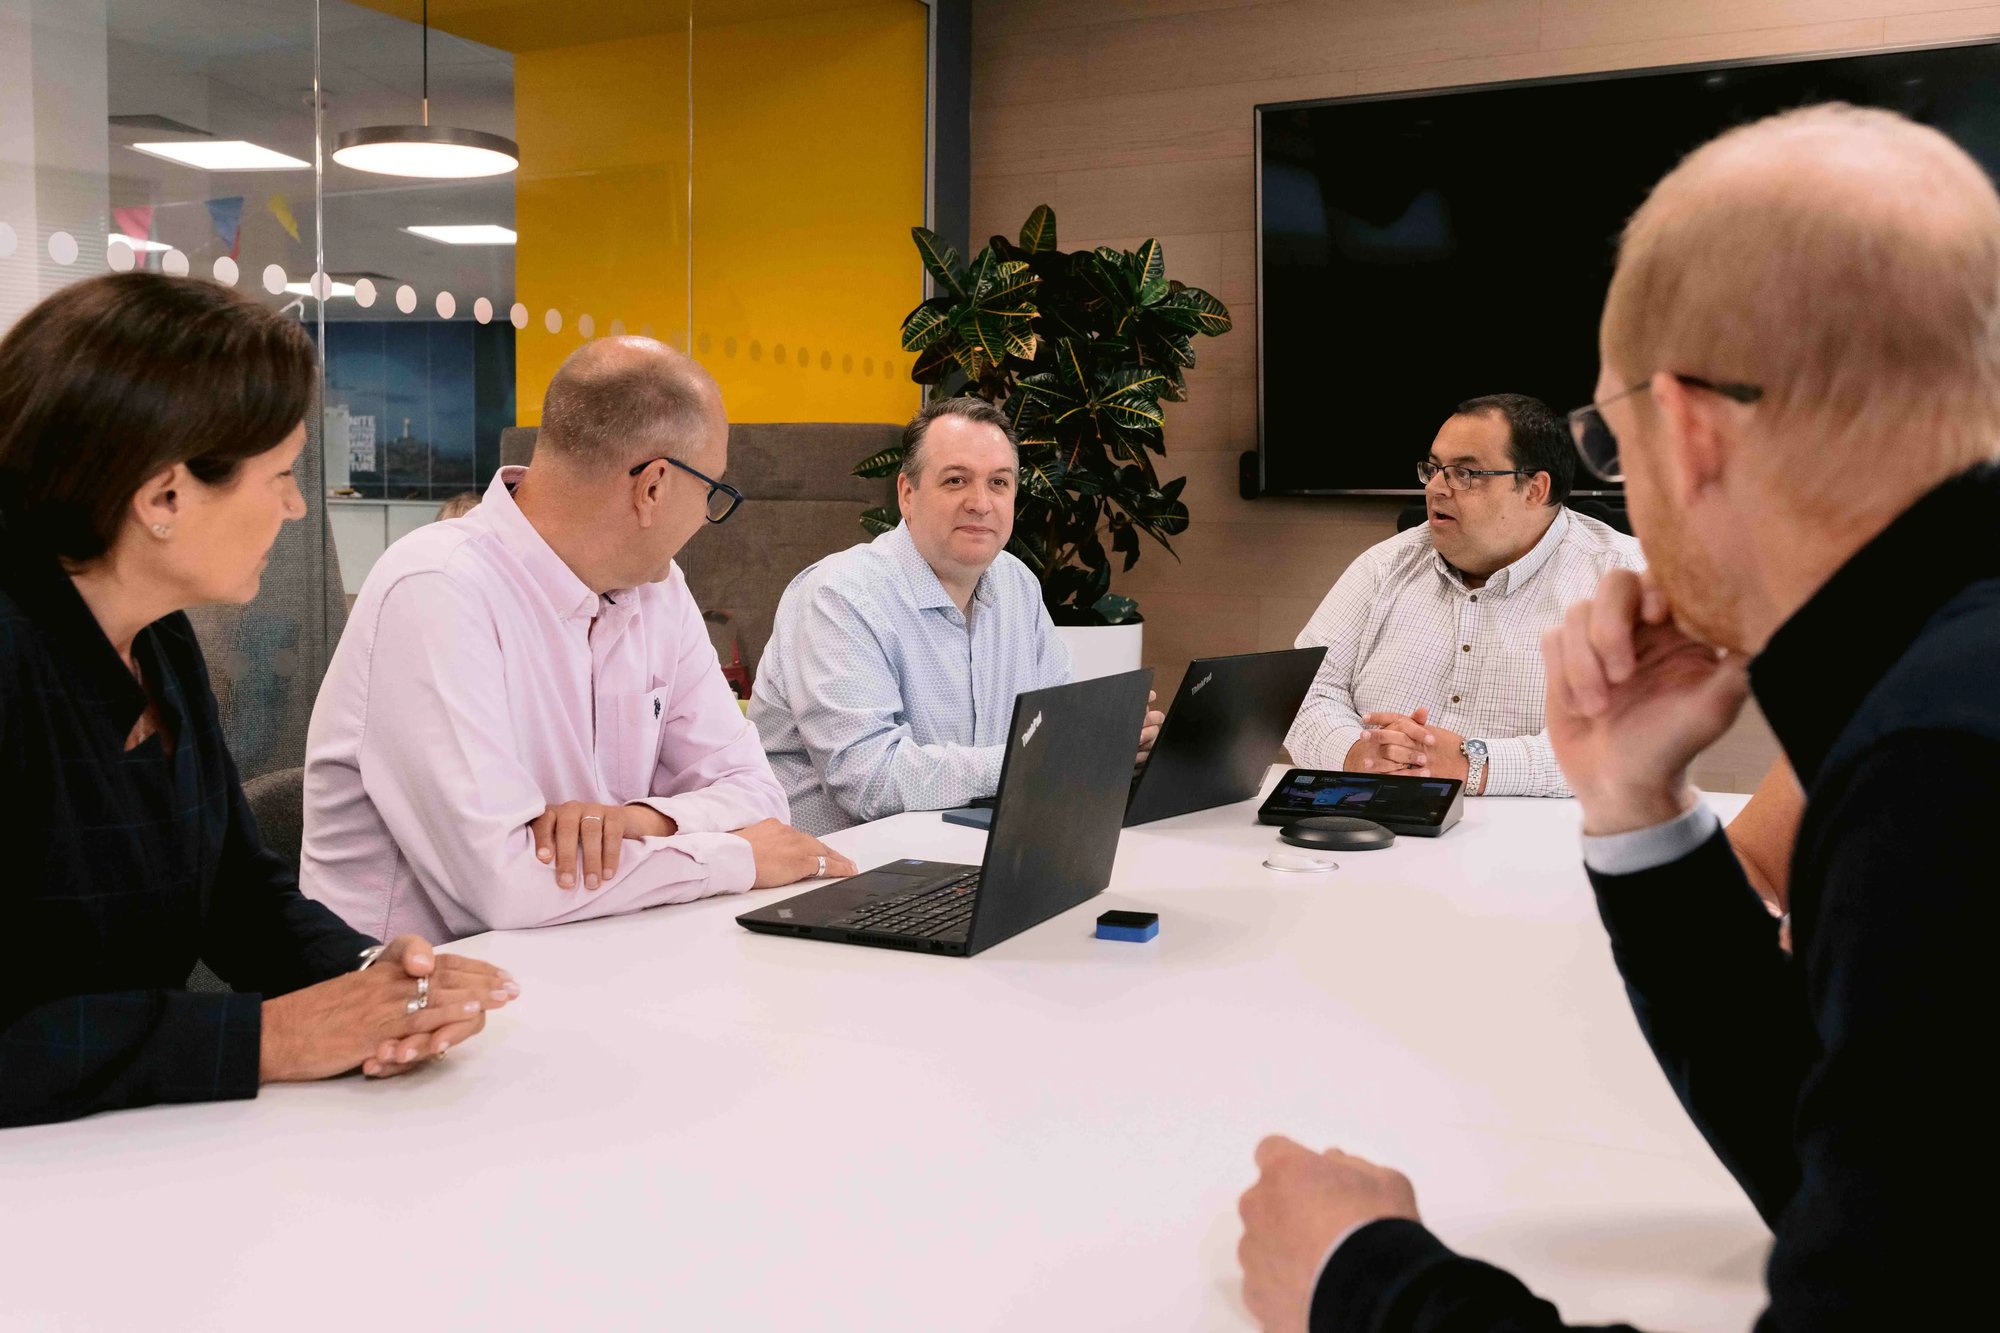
940, 261
935, 363
1038, 233
1194, 311
882, 464
1042, 478
1151, 272
1116, 610
879, 520
924, 326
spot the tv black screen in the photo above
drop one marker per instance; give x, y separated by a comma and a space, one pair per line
1419, 250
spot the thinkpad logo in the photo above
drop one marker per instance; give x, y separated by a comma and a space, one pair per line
1201, 684
1033, 727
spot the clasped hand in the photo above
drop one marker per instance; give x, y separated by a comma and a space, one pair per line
1632, 699
1406, 745
364, 1018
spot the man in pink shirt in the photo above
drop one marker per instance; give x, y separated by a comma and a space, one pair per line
524, 722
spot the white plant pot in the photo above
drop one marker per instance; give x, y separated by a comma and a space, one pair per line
1102, 650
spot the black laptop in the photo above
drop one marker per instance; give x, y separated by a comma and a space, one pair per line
1055, 833
1225, 729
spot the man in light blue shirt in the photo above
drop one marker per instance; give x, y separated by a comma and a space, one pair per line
890, 675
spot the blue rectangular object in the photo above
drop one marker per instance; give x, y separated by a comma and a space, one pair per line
1130, 927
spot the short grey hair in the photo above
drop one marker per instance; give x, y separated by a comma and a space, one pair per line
976, 410
617, 401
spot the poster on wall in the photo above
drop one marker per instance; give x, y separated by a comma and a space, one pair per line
361, 444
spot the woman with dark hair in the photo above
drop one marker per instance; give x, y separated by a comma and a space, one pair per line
148, 428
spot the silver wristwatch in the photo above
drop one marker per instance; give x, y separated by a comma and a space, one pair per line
1475, 766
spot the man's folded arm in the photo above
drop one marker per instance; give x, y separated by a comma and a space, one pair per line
712, 774
438, 760
850, 713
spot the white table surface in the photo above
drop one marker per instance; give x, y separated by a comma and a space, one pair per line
685, 1126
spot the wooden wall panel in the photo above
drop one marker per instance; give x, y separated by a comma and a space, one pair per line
1133, 118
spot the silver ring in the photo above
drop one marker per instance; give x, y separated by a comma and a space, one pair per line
423, 997
587, 818
822, 868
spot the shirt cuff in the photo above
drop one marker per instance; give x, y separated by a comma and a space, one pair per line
731, 865
1511, 770
1650, 848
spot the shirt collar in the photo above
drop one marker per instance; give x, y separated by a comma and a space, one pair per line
44, 590
1509, 578
926, 589
1814, 674
569, 595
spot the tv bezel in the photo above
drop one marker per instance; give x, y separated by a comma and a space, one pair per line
1446, 90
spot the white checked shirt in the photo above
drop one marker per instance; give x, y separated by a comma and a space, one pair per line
1403, 632
876, 695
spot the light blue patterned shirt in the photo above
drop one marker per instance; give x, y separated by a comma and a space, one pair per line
876, 695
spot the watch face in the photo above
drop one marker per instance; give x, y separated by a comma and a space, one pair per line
1475, 749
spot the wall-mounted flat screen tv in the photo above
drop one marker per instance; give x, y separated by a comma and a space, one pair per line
1418, 250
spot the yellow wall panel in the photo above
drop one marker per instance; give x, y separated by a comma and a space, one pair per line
809, 150
808, 174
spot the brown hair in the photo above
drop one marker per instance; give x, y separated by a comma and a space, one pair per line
972, 409
113, 380
1847, 262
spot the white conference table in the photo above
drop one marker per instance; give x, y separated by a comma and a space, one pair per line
682, 1125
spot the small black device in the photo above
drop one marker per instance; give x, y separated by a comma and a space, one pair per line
1228, 720
1055, 835
1420, 807
972, 816
1337, 832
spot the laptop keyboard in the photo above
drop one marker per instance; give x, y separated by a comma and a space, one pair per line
931, 911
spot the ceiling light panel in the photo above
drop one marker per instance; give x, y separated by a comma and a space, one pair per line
222, 155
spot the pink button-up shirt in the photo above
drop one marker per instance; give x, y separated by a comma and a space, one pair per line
480, 681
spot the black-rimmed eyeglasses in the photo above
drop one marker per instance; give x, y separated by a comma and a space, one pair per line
1598, 447
1458, 477
723, 499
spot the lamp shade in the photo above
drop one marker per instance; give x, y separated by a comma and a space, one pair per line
428, 152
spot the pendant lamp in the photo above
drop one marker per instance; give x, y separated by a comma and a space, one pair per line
426, 151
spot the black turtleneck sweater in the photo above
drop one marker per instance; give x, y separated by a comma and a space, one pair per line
1840, 1085
128, 866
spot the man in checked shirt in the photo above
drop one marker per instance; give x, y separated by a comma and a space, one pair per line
1433, 638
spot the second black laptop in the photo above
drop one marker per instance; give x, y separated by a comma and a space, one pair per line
1063, 786
1223, 732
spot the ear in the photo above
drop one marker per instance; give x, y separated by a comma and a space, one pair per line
905, 491
1536, 492
159, 499
649, 494
1693, 451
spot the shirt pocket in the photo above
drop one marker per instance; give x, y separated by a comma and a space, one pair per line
629, 743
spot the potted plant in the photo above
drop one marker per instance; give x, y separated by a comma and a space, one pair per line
1080, 350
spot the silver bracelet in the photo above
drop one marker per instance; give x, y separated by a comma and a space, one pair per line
369, 955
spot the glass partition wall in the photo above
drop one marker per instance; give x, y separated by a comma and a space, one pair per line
453, 195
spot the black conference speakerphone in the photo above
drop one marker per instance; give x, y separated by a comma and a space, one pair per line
1420, 807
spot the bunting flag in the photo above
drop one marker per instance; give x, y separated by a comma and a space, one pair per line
136, 223
281, 209
226, 216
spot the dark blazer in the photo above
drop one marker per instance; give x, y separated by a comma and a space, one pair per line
1842, 1085
126, 868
